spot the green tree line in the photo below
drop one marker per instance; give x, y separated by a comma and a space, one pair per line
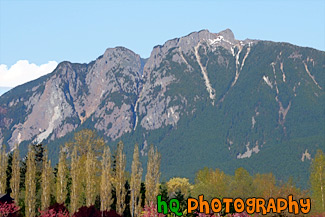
89, 174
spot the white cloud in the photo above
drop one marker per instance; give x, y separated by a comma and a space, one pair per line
23, 71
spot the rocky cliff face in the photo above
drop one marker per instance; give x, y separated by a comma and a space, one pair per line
159, 73
105, 89
234, 98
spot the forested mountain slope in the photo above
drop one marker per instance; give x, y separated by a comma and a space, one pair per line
205, 99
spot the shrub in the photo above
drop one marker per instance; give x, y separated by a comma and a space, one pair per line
242, 214
93, 212
85, 211
151, 211
8, 209
56, 210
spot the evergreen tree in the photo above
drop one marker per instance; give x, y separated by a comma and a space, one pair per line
90, 190
46, 181
39, 156
152, 176
120, 179
106, 199
9, 172
30, 184
163, 191
75, 181
135, 183
23, 169
15, 175
3, 170
317, 179
39, 153
61, 180
181, 199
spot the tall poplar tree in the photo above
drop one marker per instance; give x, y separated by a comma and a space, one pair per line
152, 176
46, 181
317, 180
135, 184
84, 140
3, 169
120, 179
90, 178
86, 187
61, 180
106, 181
15, 175
30, 184
75, 181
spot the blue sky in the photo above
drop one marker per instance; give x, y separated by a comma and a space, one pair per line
80, 31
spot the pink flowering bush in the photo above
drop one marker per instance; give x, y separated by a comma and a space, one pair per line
151, 211
53, 213
56, 210
243, 214
8, 209
211, 214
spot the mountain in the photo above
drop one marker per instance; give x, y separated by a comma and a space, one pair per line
205, 99
4, 89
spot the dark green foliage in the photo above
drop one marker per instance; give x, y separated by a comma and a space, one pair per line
182, 200
143, 194
127, 212
163, 191
23, 169
9, 172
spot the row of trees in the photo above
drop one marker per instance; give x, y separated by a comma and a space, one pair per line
215, 183
87, 172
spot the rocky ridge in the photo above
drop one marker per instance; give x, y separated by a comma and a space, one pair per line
240, 98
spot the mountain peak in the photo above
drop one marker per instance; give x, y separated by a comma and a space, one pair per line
186, 43
117, 50
205, 35
228, 34
117, 56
